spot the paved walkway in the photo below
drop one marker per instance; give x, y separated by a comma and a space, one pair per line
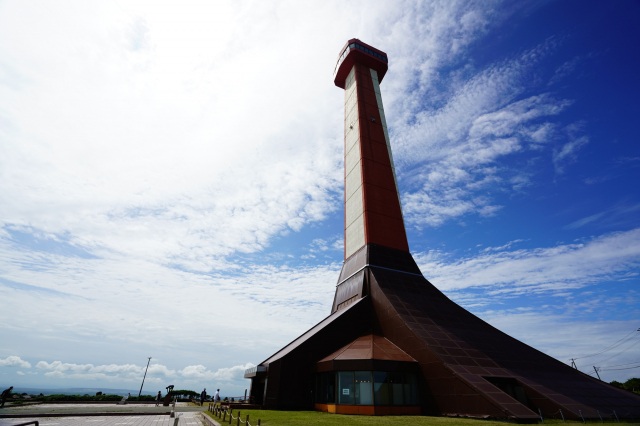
102, 415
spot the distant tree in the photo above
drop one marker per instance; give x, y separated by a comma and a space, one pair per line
633, 385
617, 384
65, 397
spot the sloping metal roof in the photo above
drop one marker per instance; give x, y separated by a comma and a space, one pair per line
310, 333
370, 347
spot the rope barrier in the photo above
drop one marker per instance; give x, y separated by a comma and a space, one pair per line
221, 413
601, 415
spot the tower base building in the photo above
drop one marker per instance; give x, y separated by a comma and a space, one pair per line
393, 343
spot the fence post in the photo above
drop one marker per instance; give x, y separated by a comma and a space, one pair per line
258, 422
246, 422
238, 422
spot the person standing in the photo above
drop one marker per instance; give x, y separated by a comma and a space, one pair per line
6, 394
216, 396
158, 398
203, 396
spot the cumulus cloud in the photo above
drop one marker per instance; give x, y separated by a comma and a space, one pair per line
14, 361
59, 369
155, 374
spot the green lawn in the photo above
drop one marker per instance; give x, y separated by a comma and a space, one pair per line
297, 418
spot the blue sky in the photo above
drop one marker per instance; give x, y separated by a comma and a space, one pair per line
171, 178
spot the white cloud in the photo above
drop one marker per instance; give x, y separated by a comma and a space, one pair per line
14, 361
451, 152
231, 378
197, 371
232, 373
567, 153
167, 138
550, 270
111, 372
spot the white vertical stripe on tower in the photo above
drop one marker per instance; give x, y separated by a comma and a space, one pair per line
354, 209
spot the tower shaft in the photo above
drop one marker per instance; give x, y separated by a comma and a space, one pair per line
373, 213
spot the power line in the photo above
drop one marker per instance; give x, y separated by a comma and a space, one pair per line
624, 365
619, 368
621, 351
614, 345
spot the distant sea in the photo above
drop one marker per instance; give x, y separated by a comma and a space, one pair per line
79, 391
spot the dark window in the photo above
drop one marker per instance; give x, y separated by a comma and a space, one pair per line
326, 388
346, 388
367, 388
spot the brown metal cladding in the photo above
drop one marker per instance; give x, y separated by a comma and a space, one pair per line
439, 333
383, 223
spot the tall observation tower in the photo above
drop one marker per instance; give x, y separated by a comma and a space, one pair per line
372, 207
393, 343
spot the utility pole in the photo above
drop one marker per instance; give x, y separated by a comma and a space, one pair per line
145, 375
573, 363
597, 374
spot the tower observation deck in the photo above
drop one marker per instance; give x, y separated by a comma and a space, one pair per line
393, 343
